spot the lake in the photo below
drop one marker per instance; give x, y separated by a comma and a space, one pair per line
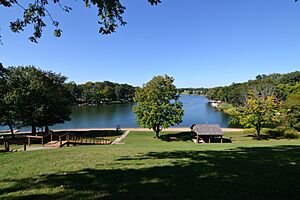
196, 111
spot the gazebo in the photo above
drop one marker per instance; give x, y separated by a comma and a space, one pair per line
208, 131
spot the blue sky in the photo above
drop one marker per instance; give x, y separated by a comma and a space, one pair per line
201, 43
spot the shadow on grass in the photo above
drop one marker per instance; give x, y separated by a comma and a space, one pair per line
189, 136
182, 136
244, 173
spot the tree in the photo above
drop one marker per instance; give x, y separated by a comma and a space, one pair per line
37, 98
110, 13
292, 106
158, 104
7, 111
259, 112
109, 92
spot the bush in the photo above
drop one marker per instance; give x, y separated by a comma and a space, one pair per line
291, 134
275, 133
225, 106
250, 131
297, 126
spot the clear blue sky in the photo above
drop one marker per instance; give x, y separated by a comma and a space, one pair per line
201, 43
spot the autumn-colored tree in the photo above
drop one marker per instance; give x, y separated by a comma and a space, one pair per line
259, 112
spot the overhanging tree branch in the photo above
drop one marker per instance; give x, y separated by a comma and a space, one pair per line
110, 13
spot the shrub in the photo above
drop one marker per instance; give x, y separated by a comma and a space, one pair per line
291, 134
275, 133
250, 131
225, 106
297, 126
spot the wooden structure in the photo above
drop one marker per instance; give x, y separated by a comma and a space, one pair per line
7, 142
207, 131
57, 140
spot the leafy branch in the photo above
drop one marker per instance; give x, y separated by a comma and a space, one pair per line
110, 13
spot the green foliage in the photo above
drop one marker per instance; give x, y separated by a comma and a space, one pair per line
291, 134
100, 92
158, 104
292, 110
276, 133
34, 98
36, 13
225, 107
259, 112
249, 131
280, 85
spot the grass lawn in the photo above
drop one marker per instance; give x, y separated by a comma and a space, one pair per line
148, 168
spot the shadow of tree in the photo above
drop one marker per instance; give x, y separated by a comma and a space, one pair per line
94, 133
189, 136
182, 136
244, 173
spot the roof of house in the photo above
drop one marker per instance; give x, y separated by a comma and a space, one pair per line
207, 129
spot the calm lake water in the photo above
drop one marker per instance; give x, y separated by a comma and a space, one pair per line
196, 111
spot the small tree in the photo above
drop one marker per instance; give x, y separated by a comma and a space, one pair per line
259, 112
158, 104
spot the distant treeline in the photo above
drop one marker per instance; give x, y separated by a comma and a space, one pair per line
268, 101
100, 92
280, 85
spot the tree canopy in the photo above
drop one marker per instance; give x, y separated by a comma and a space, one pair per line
292, 105
100, 92
34, 98
36, 13
158, 104
259, 112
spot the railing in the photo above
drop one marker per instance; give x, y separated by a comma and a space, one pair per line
68, 139
41, 137
74, 139
67, 136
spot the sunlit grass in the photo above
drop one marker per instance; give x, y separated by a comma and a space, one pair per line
145, 167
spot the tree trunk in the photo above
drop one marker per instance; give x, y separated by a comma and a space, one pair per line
156, 129
258, 128
46, 129
157, 134
12, 131
33, 129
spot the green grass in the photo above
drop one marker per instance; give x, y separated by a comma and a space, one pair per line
148, 168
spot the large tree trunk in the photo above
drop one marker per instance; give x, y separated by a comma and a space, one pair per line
33, 129
12, 131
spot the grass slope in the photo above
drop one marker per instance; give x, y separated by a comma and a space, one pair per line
147, 168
